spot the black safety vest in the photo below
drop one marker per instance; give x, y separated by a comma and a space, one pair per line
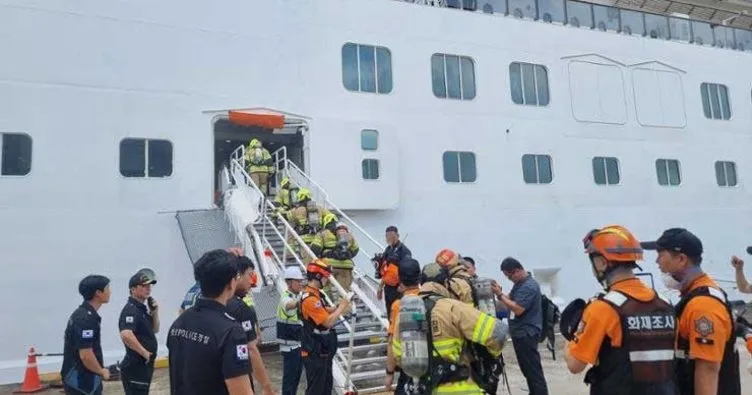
317, 340
729, 382
644, 364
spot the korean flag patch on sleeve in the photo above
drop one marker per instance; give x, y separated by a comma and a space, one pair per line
247, 325
242, 352
87, 334
129, 319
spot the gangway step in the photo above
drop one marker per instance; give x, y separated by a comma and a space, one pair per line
344, 337
365, 361
369, 375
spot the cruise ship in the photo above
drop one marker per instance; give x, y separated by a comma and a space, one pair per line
493, 127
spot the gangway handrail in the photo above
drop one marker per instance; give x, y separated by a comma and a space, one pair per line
289, 229
289, 166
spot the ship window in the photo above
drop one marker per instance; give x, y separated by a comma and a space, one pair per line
536, 169
725, 173
370, 168
141, 158
15, 154
606, 170
528, 84
369, 140
667, 171
453, 76
366, 68
715, 101
459, 166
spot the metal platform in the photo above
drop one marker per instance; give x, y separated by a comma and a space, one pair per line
206, 230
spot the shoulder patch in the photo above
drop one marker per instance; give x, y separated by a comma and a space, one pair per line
242, 352
247, 325
229, 317
87, 334
703, 326
129, 319
616, 298
435, 327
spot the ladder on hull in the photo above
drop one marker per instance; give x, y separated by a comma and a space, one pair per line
359, 369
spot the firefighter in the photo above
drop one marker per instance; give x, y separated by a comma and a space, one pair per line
409, 274
306, 220
286, 197
387, 267
627, 333
706, 358
319, 340
337, 247
441, 363
259, 165
458, 278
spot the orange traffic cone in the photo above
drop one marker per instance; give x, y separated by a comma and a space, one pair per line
32, 383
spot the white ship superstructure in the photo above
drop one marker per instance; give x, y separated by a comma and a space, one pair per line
511, 127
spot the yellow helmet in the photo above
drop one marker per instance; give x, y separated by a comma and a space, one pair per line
255, 143
303, 193
328, 218
284, 183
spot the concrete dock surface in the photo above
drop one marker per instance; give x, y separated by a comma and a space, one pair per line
560, 381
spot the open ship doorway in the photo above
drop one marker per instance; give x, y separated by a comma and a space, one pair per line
234, 131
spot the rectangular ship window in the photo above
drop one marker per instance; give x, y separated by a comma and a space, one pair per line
528, 83
715, 101
366, 68
15, 154
145, 158
725, 173
453, 77
668, 172
459, 166
606, 170
536, 169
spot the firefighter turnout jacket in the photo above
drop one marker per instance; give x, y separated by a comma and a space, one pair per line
452, 325
706, 331
326, 245
628, 335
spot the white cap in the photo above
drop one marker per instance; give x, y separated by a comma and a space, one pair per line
293, 273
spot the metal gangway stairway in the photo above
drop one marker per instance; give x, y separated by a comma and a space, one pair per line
360, 361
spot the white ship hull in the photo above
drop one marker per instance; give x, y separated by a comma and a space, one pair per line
78, 77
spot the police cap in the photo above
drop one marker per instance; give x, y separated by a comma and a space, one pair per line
570, 318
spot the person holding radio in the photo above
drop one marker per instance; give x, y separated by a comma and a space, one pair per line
138, 324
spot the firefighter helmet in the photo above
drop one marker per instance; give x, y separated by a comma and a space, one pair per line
613, 242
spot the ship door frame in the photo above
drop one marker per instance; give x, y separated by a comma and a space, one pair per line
264, 119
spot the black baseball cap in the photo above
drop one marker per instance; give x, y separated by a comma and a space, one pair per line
141, 278
678, 240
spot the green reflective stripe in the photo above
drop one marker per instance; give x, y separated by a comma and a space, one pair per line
448, 349
483, 329
459, 388
282, 315
397, 348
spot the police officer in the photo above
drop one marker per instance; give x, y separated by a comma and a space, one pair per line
458, 283
627, 333
194, 292
707, 360
208, 350
452, 325
318, 340
138, 324
82, 369
246, 316
289, 331
409, 274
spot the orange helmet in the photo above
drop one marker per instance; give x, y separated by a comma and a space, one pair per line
318, 268
613, 242
447, 258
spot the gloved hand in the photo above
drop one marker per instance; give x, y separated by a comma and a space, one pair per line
570, 318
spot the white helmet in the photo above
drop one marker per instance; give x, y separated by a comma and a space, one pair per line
293, 273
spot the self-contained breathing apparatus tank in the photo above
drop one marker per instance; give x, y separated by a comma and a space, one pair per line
314, 219
413, 335
257, 156
485, 298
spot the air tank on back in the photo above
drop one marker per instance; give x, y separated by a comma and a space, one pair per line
413, 335
486, 299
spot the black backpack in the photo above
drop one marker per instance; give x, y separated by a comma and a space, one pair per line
551, 316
